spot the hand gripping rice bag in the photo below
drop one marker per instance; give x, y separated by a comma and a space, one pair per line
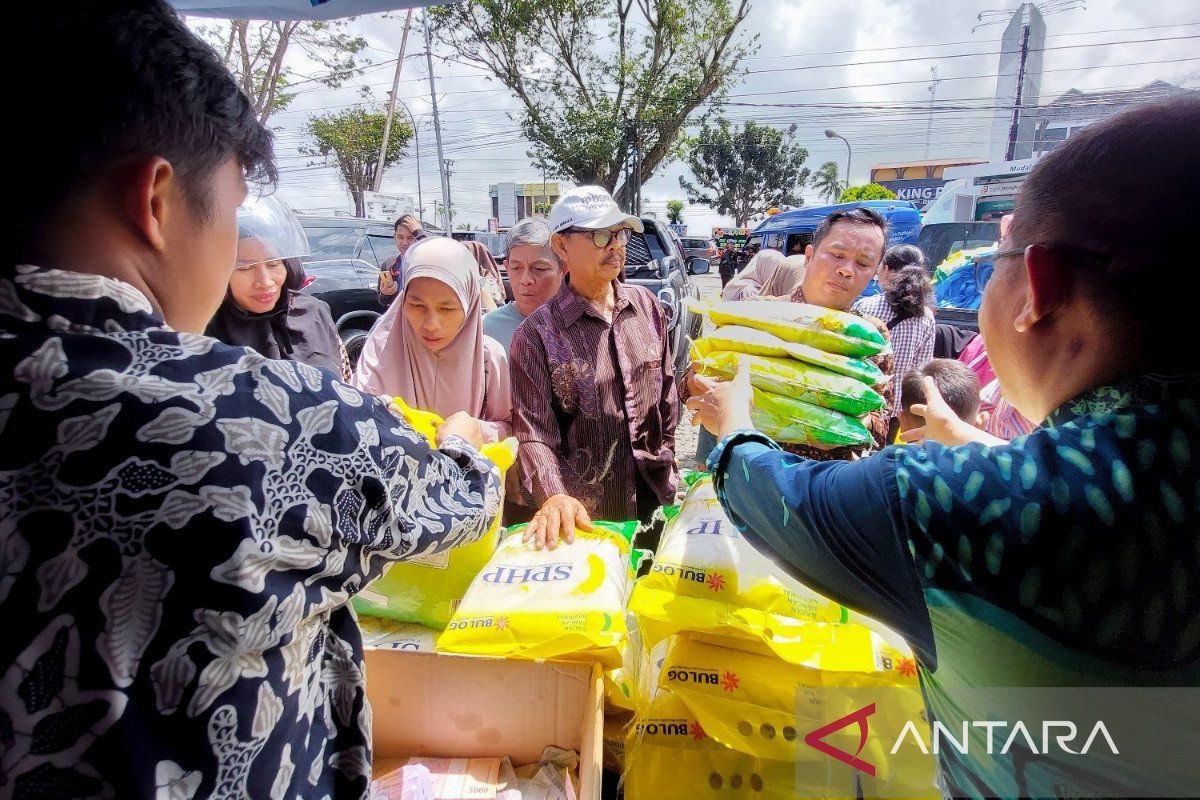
766, 708
567, 603
708, 579
795, 379
785, 419
669, 755
426, 588
823, 328
741, 339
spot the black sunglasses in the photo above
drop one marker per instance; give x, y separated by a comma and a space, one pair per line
602, 237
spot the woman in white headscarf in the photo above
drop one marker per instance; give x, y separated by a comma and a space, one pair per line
769, 274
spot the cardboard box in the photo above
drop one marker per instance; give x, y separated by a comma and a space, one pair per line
433, 704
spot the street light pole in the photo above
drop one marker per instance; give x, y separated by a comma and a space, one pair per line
387, 124
832, 135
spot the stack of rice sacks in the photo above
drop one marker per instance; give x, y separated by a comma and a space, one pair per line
812, 382
742, 663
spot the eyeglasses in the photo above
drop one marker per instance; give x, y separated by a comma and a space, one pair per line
603, 237
1081, 253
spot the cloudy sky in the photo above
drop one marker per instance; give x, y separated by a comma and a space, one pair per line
873, 54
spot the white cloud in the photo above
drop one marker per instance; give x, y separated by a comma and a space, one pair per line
811, 49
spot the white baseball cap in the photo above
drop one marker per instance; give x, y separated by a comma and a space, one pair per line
591, 208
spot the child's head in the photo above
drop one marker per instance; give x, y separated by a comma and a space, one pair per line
957, 383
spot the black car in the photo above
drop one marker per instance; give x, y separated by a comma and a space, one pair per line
655, 260
344, 270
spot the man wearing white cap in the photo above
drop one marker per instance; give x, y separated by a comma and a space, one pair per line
594, 403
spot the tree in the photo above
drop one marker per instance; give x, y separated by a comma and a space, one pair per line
439, 214
542, 207
827, 183
592, 75
352, 138
869, 191
744, 171
255, 50
675, 211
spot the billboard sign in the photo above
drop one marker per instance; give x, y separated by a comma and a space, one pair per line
919, 192
387, 207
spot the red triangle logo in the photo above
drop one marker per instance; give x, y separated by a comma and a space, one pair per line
816, 739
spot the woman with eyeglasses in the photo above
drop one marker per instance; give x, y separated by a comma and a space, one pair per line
594, 400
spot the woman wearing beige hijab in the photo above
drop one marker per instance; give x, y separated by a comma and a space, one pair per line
768, 274
429, 349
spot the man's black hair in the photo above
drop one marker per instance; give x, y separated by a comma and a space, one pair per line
956, 382
858, 216
131, 83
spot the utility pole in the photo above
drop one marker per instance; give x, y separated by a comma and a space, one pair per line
437, 125
1016, 115
387, 124
446, 165
933, 84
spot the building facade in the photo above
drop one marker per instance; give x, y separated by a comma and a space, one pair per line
918, 182
1075, 110
515, 201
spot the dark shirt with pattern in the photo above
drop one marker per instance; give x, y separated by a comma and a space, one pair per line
182, 526
1066, 557
594, 403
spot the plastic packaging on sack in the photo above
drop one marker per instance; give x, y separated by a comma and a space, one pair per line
765, 708
741, 339
389, 634
823, 328
670, 756
568, 603
708, 579
426, 588
795, 379
788, 420
612, 740
620, 684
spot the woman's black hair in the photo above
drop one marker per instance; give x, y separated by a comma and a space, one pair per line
910, 291
903, 255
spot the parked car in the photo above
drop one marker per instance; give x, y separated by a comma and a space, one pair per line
939, 240
656, 261
783, 232
344, 268
699, 248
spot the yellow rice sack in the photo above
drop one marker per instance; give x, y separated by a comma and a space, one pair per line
823, 328
620, 684
567, 603
426, 588
709, 580
764, 707
796, 379
389, 634
669, 755
741, 339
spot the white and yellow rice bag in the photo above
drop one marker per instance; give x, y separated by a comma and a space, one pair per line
568, 603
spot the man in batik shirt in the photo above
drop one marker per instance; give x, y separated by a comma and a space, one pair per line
182, 523
594, 398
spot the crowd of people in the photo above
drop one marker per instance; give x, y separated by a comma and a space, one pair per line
194, 483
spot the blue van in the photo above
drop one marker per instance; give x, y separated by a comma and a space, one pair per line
791, 229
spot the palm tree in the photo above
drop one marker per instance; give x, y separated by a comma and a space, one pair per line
827, 183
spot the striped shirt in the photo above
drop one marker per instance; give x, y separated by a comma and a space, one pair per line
912, 342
